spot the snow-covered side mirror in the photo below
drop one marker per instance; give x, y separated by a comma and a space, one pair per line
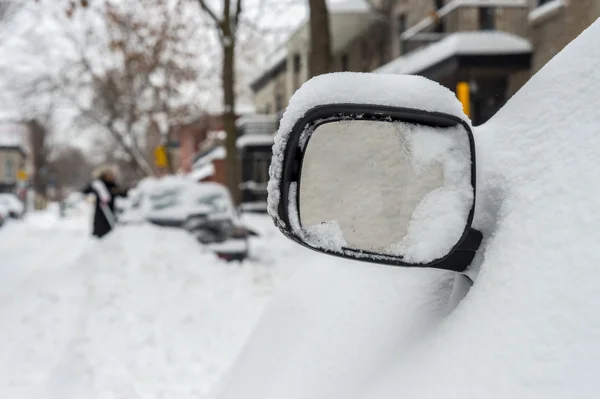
379, 183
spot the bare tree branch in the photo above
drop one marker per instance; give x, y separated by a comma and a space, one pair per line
238, 13
210, 12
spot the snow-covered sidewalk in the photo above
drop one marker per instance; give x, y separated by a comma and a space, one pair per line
144, 313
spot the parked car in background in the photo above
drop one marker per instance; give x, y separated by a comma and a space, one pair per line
15, 207
205, 210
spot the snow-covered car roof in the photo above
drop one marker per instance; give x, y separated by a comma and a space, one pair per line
529, 326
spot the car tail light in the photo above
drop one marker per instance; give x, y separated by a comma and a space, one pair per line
223, 256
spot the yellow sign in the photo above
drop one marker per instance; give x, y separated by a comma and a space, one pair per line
160, 156
463, 93
22, 175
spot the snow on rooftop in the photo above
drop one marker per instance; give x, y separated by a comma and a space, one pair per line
256, 118
253, 140
243, 108
349, 6
460, 43
202, 172
546, 10
217, 134
216, 153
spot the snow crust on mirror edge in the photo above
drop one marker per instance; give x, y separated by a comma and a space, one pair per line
355, 88
528, 328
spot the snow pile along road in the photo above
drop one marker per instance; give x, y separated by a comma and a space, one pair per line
145, 313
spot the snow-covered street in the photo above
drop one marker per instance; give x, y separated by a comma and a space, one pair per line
146, 312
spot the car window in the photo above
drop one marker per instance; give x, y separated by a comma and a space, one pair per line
165, 199
217, 202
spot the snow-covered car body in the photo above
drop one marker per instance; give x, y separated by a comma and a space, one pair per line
529, 326
4, 214
15, 206
205, 209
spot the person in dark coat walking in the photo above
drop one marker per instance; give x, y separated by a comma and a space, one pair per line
105, 189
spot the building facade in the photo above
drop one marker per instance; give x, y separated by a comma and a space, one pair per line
555, 23
493, 45
357, 32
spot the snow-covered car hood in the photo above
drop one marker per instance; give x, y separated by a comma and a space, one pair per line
528, 328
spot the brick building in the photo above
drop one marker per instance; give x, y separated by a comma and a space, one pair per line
555, 23
188, 139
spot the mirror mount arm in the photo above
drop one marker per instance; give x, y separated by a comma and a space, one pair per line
461, 258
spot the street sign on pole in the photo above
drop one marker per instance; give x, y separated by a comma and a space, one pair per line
160, 156
22, 175
463, 93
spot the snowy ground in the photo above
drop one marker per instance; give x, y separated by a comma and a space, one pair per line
145, 313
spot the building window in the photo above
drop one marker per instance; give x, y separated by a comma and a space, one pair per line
278, 102
400, 29
297, 67
297, 63
365, 59
344, 62
382, 52
260, 171
486, 18
401, 24
439, 26
9, 170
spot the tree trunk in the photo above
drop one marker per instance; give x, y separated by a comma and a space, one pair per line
320, 38
233, 169
37, 137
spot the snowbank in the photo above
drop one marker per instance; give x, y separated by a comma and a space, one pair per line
146, 312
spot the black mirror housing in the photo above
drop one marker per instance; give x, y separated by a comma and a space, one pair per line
285, 188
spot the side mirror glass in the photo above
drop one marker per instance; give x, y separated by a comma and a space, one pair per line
383, 187
381, 184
